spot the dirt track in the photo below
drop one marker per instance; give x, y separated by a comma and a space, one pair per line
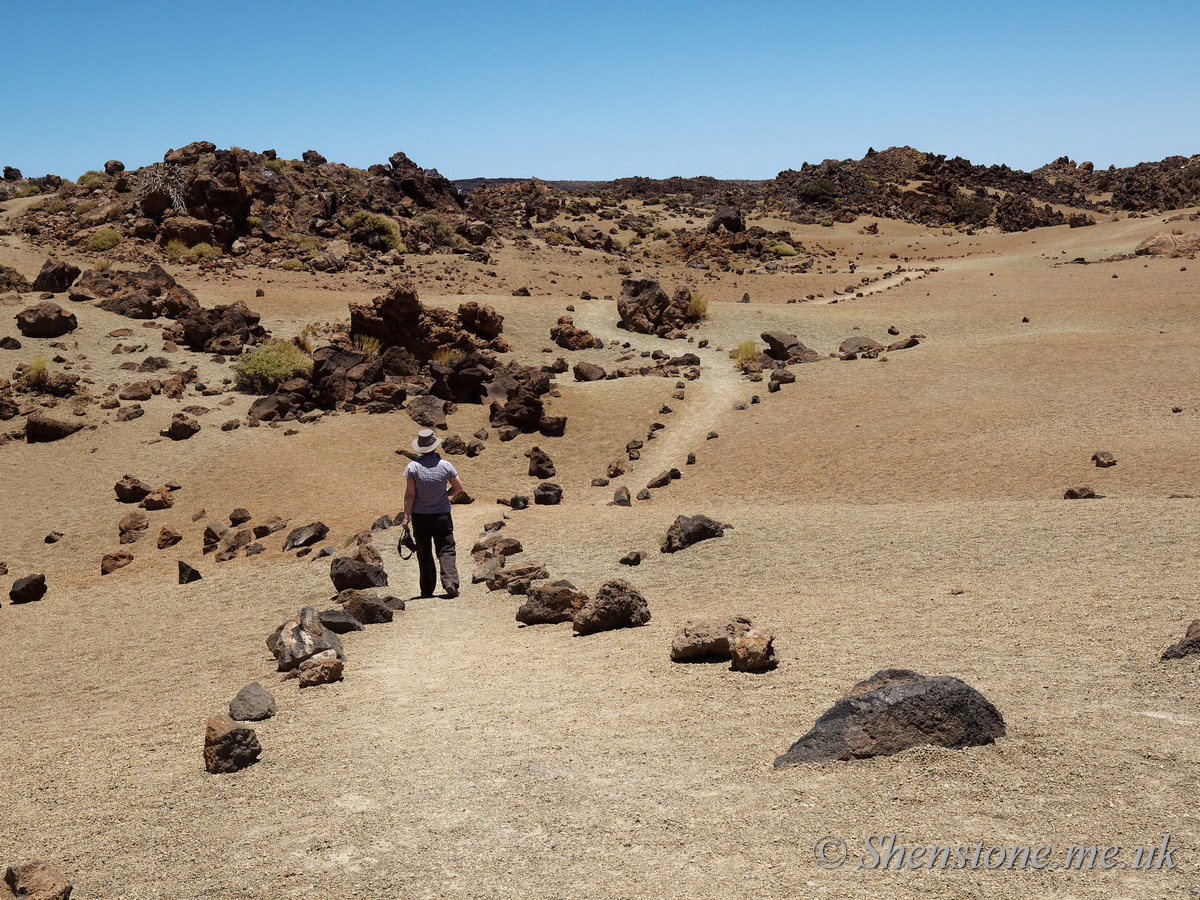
901, 513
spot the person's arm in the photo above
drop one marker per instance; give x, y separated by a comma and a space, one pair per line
410, 497
454, 487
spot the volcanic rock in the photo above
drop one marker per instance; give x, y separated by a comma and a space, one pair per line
540, 464
351, 574
1079, 493
707, 637
586, 371
130, 490
253, 703
35, 880
229, 747
753, 651
132, 527
685, 531
321, 668
617, 604
28, 589
301, 637
187, 574
169, 537
1189, 646
549, 604
571, 337
41, 428
1103, 459
547, 494
896, 709
366, 608
56, 277
113, 561
305, 536
181, 428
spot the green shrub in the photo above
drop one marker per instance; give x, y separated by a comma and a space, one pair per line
304, 340
85, 207
442, 231
366, 224
366, 345
697, 307
36, 375
661, 234
276, 166
36, 206
306, 242
31, 190
291, 265
204, 250
266, 368
55, 208
253, 221
104, 239
817, 190
445, 355
744, 351
634, 241
780, 249
175, 249
91, 179
555, 238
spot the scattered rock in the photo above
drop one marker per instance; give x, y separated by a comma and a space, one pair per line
1103, 459
169, 537
239, 516
685, 531
1189, 646
228, 746
621, 497
617, 604
753, 651
525, 571
547, 494
41, 428
305, 536
707, 637
586, 371
159, 499
896, 709
549, 604
301, 637
348, 574
35, 880
132, 527
187, 574
660, 480
366, 608
56, 277
540, 464
1079, 493
632, 558
271, 526
181, 428
321, 668
617, 468
644, 494
28, 589
253, 703
113, 561
340, 622
131, 490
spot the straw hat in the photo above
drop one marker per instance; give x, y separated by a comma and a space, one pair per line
426, 441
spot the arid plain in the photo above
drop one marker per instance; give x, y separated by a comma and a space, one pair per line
905, 511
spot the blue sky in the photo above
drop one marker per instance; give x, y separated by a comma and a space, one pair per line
600, 90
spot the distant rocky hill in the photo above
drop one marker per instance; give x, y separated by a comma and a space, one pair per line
207, 204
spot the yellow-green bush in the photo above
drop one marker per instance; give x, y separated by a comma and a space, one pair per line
85, 207
697, 307
36, 375
91, 179
744, 351
175, 249
375, 223
263, 370
443, 233
31, 190
366, 345
204, 250
291, 265
445, 355
55, 207
104, 239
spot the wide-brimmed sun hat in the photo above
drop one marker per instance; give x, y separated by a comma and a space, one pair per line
426, 441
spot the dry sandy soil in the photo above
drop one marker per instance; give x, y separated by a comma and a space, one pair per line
902, 513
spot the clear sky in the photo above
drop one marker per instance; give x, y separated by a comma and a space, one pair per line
599, 90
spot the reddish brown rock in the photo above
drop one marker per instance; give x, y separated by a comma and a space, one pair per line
660, 480
181, 428
131, 490
753, 651
617, 604
645, 308
549, 604
323, 668
540, 464
301, 637
526, 571
707, 637
34, 880
366, 553
688, 530
617, 468
1079, 493
1103, 459
228, 746
1190, 645
571, 337
159, 499
169, 537
113, 561
41, 428
586, 371
239, 516
365, 608
132, 527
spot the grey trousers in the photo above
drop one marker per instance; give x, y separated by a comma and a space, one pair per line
434, 534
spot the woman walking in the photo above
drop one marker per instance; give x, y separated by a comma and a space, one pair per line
431, 482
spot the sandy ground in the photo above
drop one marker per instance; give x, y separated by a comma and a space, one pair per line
903, 513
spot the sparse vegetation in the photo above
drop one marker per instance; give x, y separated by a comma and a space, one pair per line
162, 178
661, 234
175, 249
85, 207
103, 265
263, 370
276, 166
55, 207
304, 340
91, 179
780, 249
634, 241
366, 345
36, 375
697, 307
291, 265
204, 251
445, 355
104, 239
744, 351
306, 242
374, 229
253, 221
31, 190
556, 239
443, 233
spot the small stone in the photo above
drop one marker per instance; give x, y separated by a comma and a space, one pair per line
229, 747
1103, 459
753, 651
643, 494
28, 589
253, 703
187, 574
632, 558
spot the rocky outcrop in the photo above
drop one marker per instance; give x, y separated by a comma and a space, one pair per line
894, 710
398, 319
617, 604
41, 428
571, 337
645, 308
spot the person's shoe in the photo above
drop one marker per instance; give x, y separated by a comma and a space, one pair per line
452, 590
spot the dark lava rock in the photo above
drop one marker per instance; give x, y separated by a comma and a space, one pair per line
351, 574
187, 574
896, 709
253, 703
229, 747
688, 530
618, 604
28, 589
305, 536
